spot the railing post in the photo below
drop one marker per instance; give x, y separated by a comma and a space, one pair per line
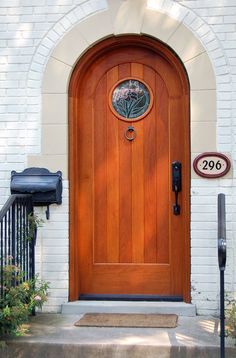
222, 263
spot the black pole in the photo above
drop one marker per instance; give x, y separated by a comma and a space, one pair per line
222, 315
222, 263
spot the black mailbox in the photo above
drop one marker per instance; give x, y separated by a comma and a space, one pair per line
45, 187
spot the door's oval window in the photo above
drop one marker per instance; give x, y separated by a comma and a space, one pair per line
131, 99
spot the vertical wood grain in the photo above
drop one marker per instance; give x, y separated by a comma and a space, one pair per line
100, 173
150, 173
85, 181
177, 230
137, 181
112, 175
163, 172
125, 180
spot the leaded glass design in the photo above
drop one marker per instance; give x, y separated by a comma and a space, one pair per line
130, 99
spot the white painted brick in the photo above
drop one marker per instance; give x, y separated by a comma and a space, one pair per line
204, 217
225, 148
55, 258
33, 34
63, 2
208, 3
33, 18
18, 59
53, 17
224, 28
189, 18
12, 18
220, 61
3, 43
55, 267
56, 250
60, 275
40, 27
47, 43
202, 12
200, 224
15, 158
40, 59
60, 284
20, 10
66, 23
223, 10
208, 37
224, 140
221, 36
203, 30
52, 9
58, 293
214, 20
204, 279
205, 241
59, 29
202, 252
72, 17
230, 19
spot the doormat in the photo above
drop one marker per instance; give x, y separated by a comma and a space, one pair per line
128, 320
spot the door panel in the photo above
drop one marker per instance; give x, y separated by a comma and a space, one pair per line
125, 237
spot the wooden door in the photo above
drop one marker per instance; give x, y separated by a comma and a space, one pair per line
125, 239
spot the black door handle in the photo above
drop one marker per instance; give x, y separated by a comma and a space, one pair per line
176, 185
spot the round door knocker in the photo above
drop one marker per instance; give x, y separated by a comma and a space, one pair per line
130, 133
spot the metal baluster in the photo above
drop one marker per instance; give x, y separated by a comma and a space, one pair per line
5, 238
17, 235
9, 232
21, 243
25, 241
1, 257
13, 240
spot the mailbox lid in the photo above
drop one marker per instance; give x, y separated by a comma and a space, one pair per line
37, 181
34, 183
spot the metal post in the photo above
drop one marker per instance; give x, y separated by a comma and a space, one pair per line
222, 316
222, 263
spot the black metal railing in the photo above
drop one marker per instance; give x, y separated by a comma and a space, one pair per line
17, 237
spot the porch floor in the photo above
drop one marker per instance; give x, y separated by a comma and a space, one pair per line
54, 335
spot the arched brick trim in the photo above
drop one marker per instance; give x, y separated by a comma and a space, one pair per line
180, 33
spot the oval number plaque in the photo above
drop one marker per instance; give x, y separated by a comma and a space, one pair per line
211, 165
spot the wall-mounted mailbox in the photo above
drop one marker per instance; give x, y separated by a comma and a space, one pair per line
45, 187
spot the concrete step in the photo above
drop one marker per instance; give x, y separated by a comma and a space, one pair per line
54, 335
81, 307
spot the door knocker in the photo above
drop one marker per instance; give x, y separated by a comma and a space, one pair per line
130, 133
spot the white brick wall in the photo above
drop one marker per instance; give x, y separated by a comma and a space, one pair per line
29, 31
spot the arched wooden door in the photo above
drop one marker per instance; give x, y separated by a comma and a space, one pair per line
129, 120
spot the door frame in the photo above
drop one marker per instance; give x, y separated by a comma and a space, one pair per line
93, 53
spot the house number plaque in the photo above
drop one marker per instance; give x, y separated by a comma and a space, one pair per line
211, 165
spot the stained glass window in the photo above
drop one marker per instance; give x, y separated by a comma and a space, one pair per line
130, 99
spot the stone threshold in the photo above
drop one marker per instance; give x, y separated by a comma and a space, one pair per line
81, 307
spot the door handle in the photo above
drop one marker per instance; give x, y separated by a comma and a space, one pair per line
176, 185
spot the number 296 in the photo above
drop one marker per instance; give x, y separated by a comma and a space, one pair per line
211, 164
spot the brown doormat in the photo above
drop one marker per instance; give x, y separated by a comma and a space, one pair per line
128, 320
